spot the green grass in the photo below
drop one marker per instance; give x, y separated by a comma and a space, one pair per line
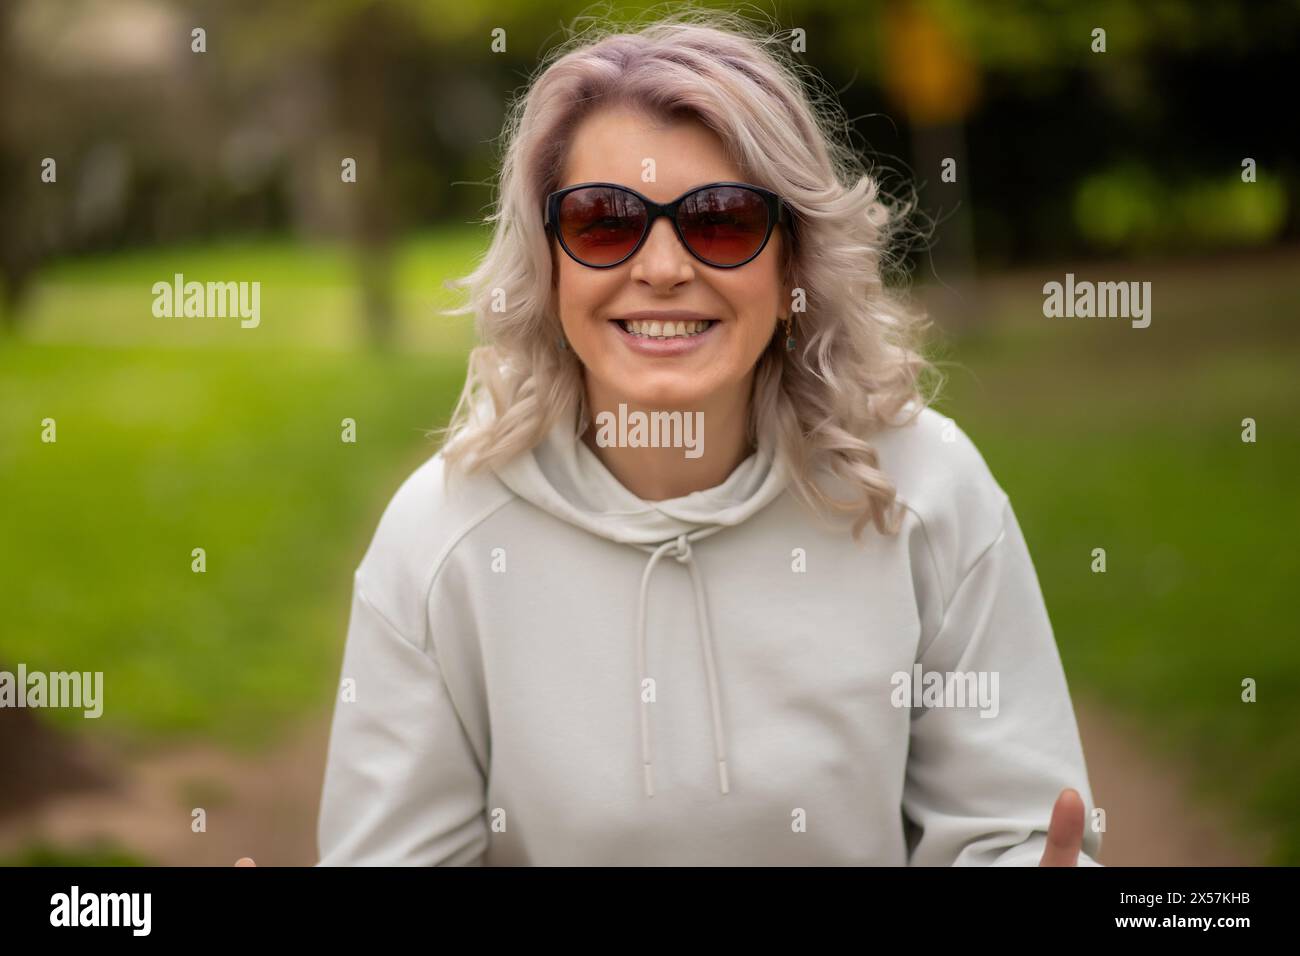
163, 451
308, 296
93, 854
176, 434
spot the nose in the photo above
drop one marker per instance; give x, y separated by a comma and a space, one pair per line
662, 262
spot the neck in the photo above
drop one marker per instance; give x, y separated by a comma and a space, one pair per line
658, 474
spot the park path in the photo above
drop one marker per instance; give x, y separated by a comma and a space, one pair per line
265, 806
1153, 817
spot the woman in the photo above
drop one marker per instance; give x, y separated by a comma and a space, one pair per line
586, 633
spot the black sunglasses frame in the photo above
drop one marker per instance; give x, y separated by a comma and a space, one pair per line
777, 212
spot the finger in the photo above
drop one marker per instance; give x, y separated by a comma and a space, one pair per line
245, 861
1065, 832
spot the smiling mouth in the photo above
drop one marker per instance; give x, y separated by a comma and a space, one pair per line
665, 330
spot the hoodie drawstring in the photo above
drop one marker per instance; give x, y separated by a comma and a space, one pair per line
681, 546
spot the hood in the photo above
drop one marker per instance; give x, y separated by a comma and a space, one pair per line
563, 477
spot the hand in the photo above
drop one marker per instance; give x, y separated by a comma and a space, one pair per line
245, 861
1065, 832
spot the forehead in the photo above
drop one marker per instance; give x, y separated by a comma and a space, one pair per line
623, 145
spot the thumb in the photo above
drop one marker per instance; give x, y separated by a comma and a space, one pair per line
1065, 832
245, 861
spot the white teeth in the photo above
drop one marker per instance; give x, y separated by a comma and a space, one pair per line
664, 330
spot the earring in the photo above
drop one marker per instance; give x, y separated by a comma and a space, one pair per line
789, 333
563, 342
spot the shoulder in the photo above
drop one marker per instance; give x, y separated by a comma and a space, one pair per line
428, 515
943, 481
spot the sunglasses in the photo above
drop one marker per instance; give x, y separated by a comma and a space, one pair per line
724, 225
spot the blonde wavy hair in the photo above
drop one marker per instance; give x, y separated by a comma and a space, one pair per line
859, 367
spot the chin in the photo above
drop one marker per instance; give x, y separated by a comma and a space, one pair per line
667, 392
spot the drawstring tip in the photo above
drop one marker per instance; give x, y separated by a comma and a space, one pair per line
722, 776
649, 781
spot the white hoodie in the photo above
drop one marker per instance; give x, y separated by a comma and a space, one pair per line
531, 678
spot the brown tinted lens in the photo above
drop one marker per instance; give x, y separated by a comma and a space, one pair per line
724, 225
600, 225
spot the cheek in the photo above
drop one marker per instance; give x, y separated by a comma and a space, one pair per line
573, 296
581, 289
755, 300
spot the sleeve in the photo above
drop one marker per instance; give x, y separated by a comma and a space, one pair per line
981, 780
402, 785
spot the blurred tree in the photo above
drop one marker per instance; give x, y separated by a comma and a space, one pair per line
368, 108
931, 75
16, 263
